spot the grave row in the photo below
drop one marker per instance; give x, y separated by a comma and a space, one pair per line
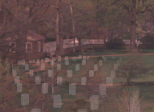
72, 86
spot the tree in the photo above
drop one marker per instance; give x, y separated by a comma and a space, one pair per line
132, 67
21, 16
131, 9
147, 42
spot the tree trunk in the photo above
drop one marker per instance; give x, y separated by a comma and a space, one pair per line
133, 24
57, 31
133, 34
4, 56
61, 32
128, 82
73, 24
79, 40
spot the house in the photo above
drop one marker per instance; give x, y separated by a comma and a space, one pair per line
34, 47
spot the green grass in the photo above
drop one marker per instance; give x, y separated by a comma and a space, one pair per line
99, 52
148, 50
147, 92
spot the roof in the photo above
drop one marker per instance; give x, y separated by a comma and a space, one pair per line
31, 36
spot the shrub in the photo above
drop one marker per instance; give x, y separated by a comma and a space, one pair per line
115, 44
147, 42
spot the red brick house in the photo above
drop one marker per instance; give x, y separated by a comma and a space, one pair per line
34, 47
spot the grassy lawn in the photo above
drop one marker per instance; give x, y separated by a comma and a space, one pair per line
147, 92
148, 50
99, 52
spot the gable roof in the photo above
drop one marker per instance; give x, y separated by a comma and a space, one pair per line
31, 36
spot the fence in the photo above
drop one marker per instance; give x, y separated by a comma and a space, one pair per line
50, 47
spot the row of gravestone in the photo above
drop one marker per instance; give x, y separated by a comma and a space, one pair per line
72, 86
69, 73
66, 58
27, 66
38, 61
57, 100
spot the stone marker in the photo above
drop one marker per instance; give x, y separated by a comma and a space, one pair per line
94, 102
19, 87
45, 88
58, 66
72, 89
95, 67
69, 73
31, 73
91, 73
50, 72
102, 89
16, 79
57, 101
59, 80
38, 80
109, 81
14, 73
77, 67
24, 99
113, 74
100, 62
36, 110
83, 80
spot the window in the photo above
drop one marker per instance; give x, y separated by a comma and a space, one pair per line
39, 46
28, 46
13, 48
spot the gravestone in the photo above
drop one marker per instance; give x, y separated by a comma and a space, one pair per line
66, 60
58, 66
69, 73
77, 67
26, 66
115, 67
24, 99
38, 80
16, 79
19, 87
45, 88
59, 80
83, 62
38, 62
57, 101
109, 81
91, 73
82, 110
83, 80
102, 89
42, 66
104, 58
50, 72
94, 102
88, 57
36, 110
31, 73
113, 74
100, 62
59, 58
95, 67
14, 73
72, 89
